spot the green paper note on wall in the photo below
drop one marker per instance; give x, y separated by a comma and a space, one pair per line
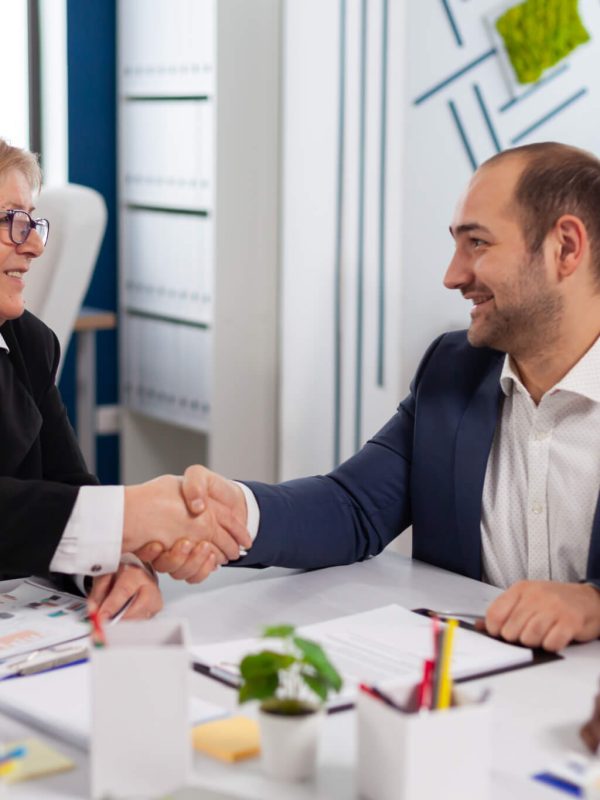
538, 34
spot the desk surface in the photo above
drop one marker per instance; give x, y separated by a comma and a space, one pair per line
537, 710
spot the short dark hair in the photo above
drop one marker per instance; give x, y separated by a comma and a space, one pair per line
557, 179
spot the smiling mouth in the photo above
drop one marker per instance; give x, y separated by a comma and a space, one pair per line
479, 303
14, 273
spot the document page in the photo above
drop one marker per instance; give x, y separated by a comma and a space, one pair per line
59, 703
33, 617
386, 646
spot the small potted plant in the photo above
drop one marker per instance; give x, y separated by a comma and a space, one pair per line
292, 682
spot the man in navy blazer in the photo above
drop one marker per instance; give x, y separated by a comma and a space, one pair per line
494, 457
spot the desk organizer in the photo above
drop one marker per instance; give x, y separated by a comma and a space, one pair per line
424, 755
140, 744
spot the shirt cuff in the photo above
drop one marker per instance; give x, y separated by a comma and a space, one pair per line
92, 539
252, 510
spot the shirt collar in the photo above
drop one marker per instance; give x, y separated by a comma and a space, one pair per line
583, 378
3, 345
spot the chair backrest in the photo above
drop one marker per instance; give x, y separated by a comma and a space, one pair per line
59, 278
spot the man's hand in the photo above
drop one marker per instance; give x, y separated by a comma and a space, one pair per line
110, 593
156, 512
217, 501
545, 614
590, 733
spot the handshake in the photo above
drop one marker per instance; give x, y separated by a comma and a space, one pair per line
186, 526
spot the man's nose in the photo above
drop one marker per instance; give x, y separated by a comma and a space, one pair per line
458, 273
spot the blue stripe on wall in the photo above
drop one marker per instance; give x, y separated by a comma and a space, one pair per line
463, 135
382, 206
454, 76
337, 411
559, 109
91, 53
360, 278
453, 24
542, 82
487, 117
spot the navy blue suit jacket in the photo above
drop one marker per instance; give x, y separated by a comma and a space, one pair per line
425, 467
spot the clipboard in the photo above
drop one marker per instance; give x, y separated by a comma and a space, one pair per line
540, 656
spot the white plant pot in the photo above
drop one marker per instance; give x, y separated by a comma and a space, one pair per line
289, 744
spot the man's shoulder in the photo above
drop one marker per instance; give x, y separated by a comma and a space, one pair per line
457, 345
452, 357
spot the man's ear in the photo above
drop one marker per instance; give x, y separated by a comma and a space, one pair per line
572, 243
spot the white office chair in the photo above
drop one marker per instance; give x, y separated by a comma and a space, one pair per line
58, 279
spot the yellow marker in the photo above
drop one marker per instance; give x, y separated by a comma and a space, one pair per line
445, 693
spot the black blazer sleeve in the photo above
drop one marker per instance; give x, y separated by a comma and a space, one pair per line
41, 466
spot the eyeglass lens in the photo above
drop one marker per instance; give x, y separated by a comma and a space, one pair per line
22, 225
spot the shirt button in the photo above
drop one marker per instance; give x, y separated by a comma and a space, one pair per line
96, 568
537, 508
541, 435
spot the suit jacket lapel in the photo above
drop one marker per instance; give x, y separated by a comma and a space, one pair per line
593, 565
20, 418
473, 444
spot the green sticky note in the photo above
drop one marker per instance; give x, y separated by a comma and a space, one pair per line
538, 34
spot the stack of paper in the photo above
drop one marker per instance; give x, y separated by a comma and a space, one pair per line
385, 646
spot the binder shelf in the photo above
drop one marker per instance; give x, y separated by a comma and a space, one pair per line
198, 89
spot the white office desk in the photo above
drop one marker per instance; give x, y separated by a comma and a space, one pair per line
538, 710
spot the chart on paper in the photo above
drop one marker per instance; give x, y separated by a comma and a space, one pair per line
33, 617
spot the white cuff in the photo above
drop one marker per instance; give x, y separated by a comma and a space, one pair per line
252, 510
92, 539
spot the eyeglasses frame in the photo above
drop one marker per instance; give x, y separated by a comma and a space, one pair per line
8, 215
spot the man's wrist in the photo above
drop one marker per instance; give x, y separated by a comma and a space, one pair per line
252, 510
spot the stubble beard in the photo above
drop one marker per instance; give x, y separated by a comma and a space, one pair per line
529, 325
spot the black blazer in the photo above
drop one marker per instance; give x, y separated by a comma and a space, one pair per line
41, 466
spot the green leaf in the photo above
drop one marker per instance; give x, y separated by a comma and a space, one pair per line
278, 632
259, 665
258, 688
316, 658
317, 685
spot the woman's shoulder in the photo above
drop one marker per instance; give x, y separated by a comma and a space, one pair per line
35, 339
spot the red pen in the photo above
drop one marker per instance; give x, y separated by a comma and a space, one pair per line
98, 636
425, 690
379, 695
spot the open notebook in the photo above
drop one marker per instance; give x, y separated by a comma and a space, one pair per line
58, 703
384, 647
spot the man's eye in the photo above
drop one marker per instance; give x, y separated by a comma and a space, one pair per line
476, 243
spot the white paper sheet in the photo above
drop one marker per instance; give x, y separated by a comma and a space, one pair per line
385, 646
59, 703
33, 617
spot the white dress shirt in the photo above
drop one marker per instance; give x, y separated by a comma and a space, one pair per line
542, 479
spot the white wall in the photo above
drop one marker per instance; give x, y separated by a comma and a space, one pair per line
426, 167
332, 201
340, 363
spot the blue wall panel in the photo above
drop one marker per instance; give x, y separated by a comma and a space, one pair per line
91, 43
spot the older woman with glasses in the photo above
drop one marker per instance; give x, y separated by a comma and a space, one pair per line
53, 516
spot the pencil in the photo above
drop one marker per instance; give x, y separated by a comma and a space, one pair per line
445, 690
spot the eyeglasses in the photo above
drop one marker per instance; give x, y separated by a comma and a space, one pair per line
20, 224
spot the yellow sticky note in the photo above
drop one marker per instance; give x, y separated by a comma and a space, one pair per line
39, 761
231, 739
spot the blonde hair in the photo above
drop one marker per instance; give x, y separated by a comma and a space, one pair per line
23, 160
